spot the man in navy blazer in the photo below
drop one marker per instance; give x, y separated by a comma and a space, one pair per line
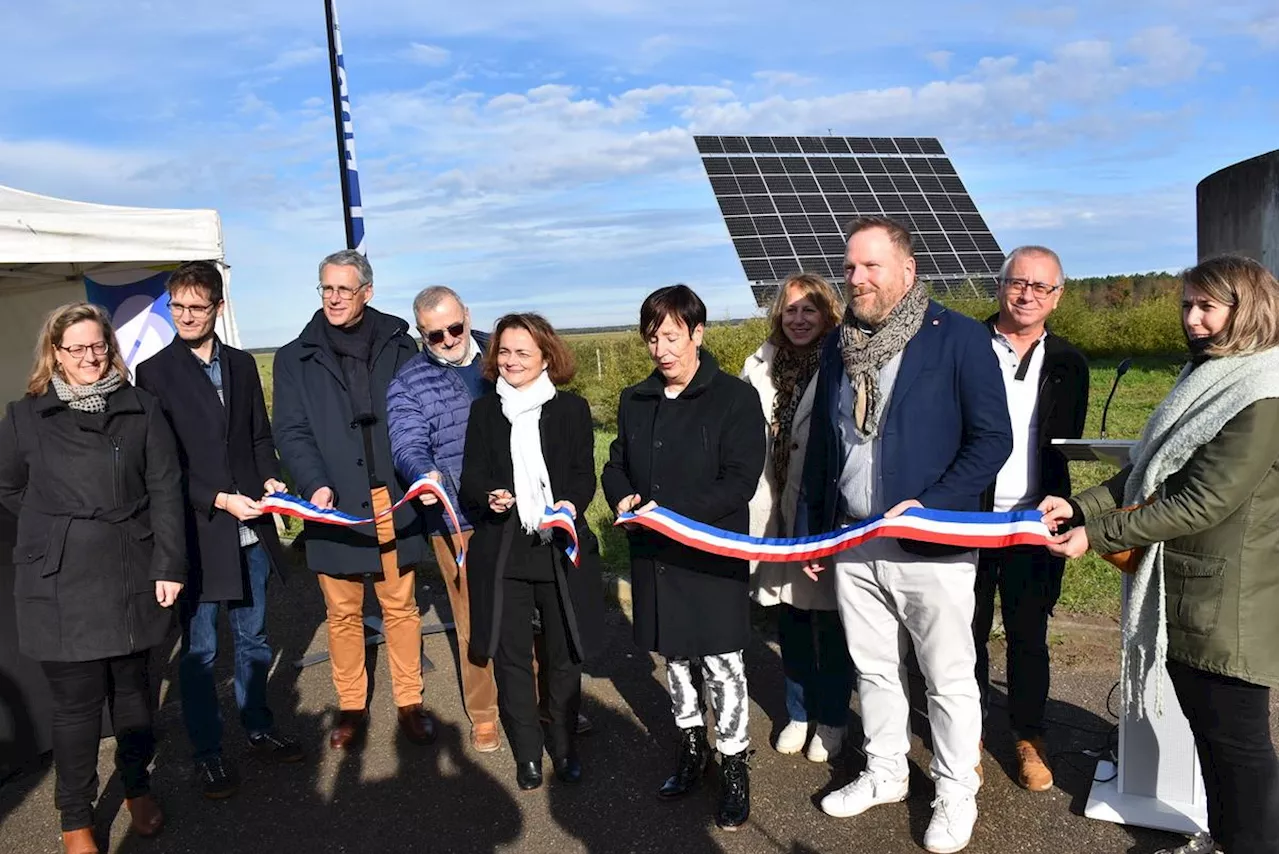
909, 411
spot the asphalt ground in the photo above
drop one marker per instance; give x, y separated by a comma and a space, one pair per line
395, 797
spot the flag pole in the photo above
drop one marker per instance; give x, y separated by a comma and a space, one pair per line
348, 177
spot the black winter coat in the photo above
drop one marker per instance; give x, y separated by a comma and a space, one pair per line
100, 519
700, 455
222, 448
568, 449
320, 445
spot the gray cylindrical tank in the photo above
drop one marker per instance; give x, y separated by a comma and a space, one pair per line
1236, 211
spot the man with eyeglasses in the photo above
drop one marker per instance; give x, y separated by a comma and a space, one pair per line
213, 399
1046, 382
331, 428
428, 404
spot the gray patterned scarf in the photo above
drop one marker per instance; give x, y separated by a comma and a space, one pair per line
88, 398
792, 371
864, 354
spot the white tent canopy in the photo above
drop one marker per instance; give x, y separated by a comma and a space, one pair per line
48, 246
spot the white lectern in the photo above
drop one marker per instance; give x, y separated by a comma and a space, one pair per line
1157, 782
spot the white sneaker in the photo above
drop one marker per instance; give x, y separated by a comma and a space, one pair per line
827, 742
791, 739
952, 823
863, 794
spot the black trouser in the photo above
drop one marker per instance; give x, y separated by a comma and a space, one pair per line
517, 695
1230, 721
79, 689
1029, 580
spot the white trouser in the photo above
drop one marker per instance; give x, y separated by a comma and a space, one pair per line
888, 599
725, 677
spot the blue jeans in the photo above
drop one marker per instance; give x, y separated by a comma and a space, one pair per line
815, 665
248, 618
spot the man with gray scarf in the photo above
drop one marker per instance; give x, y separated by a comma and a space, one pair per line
910, 411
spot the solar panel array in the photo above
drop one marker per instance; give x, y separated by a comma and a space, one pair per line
786, 200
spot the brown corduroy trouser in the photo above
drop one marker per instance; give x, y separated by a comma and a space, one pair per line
479, 689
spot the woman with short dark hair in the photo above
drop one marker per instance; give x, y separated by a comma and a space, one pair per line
89, 466
530, 447
1200, 532
691, 438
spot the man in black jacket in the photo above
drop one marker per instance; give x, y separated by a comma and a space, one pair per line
1046, 384
211, 395
331, 427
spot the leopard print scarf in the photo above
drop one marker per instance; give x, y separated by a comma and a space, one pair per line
792, 371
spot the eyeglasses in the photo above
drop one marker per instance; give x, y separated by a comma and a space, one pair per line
436, 336
78, 351
1039, 290
199, 312
344, 294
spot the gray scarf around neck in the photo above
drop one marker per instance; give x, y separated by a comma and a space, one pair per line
1202, 401
87, 398
864, 354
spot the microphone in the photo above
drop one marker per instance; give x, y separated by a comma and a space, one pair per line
1121, 370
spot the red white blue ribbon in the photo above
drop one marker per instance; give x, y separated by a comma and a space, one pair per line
284, 504
945, 527
562, 519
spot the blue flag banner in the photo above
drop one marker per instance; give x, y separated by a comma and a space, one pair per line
350, 174
138, 305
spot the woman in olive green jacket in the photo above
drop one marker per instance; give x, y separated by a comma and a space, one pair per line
1201, 495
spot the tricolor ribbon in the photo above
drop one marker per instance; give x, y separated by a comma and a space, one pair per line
284, 504
945, 527
562, 519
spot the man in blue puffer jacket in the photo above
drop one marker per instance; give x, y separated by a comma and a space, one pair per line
428, 403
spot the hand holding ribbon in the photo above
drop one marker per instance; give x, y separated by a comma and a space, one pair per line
320, 509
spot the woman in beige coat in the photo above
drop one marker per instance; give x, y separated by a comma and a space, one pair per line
815, 658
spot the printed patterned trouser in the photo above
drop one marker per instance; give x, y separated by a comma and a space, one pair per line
725, 678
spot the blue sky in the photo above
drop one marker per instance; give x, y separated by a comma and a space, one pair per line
537, 155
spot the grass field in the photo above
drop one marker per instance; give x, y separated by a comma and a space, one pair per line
1091, 585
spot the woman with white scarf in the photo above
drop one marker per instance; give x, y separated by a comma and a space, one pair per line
1202, 520
529, 449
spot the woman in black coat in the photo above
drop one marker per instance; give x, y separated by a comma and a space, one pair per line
692, 439
529, 447
89, 466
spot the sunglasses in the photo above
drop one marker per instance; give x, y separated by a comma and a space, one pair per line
436, 336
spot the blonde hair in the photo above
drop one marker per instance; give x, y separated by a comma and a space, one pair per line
1251, 292
818, 290
55, 326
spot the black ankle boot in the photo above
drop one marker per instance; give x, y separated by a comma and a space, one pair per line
735, 792
528, 775
691, 764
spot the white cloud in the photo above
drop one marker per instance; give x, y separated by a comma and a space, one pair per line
782, 79
1265, 28
939, 59
296, 58
426, 54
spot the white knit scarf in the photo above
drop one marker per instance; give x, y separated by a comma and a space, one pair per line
523, 408
1201, 403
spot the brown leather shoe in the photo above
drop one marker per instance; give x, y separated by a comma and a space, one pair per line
416, 723
79, 841
484, 737
146, 817
1033, 770
349, 729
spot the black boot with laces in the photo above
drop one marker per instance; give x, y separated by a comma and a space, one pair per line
691, 764
735, 792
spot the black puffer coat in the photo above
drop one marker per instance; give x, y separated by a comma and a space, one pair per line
100, 519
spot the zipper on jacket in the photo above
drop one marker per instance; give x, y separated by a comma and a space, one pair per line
124, 551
